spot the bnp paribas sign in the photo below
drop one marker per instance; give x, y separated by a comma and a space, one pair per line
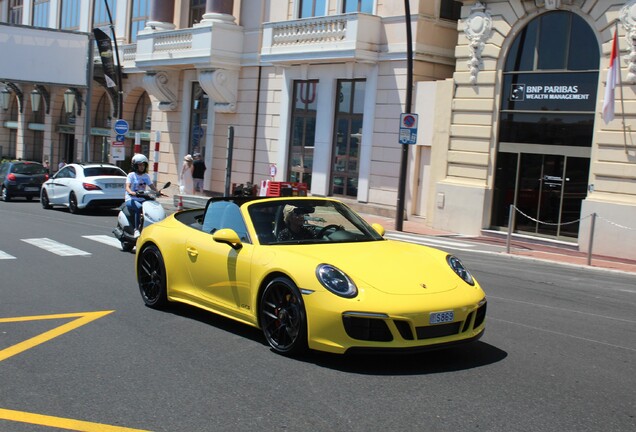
550, 91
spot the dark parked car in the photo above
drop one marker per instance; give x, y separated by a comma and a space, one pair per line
22, 179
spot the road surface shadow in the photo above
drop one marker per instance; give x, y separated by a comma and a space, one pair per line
461, 357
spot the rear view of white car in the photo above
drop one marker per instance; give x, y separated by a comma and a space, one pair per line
85, 186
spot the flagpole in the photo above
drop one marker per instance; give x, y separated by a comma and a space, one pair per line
620, 84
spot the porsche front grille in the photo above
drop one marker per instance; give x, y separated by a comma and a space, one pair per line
374, 327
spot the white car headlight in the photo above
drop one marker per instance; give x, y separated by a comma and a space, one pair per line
336, 281
459, 269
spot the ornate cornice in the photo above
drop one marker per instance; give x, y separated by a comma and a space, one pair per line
221, 85
162, 85
478, 28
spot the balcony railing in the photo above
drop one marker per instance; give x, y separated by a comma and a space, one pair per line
212, 45
354, 36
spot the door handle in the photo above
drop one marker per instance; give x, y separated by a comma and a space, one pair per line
192, 251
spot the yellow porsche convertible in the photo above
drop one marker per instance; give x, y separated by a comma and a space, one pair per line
310, 273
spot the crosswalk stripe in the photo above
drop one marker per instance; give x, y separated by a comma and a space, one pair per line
108, 240
56, 247
5, 256
428, 241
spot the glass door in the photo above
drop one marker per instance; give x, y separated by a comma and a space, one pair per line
547, 191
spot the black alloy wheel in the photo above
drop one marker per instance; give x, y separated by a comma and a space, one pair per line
283, 318
72, 203
44, 200
151, 277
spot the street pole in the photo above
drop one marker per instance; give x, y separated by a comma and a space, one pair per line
399, 214
89, 94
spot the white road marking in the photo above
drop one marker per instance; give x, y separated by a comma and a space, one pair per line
5, 256
56, 247
428, 240
108, 240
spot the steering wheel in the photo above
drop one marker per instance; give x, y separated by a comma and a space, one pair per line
323, 230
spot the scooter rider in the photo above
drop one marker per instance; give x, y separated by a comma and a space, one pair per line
136, 183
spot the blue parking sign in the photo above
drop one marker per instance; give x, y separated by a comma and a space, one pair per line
121, 127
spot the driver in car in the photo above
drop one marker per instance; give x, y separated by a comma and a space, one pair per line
294, 218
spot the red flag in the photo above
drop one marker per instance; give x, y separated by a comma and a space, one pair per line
612, 79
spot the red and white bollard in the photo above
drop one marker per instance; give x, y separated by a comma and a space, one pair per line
155, 158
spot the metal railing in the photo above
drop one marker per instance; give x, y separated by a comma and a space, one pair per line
593, 216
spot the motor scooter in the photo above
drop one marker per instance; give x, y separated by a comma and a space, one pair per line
151, 212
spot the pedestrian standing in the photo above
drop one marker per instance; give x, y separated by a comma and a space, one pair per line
198, 173
187, 183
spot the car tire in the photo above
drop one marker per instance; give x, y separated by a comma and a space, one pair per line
44, 200
151, 277
72, 203
283, 318
5, 195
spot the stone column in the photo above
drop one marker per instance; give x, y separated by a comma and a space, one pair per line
218, 10
161, 15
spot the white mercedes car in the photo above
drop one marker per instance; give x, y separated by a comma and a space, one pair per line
85, 186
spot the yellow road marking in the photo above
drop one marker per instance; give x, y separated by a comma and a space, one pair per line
82, 318
60, 422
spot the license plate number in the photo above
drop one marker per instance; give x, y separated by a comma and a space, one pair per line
31, 189
441, 317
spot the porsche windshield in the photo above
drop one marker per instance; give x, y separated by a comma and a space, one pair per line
308, 221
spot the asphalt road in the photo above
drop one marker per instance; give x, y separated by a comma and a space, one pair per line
80, 351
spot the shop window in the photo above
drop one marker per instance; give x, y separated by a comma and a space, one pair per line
348, 136
365, 6
41, 13
198, 120
197, 9
140, 12
70, 15
303, 131
450, 9
15, 11
312, 8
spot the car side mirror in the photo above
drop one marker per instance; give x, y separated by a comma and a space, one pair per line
379, 228
229, 237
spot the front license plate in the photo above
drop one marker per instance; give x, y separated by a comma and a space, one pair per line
31, 189
441, 317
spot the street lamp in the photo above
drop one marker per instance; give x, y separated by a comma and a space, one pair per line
69, 101
36, 97
5, 98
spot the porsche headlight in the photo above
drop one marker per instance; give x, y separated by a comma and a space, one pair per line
459, 268
336, 281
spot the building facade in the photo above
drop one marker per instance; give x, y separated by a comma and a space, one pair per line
509, 97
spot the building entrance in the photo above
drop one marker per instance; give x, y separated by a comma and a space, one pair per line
546, 125
547, 190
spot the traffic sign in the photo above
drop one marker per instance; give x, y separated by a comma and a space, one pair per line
408, 128
120, 138
121, 127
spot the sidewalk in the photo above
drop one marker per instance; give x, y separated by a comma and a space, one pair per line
518, 247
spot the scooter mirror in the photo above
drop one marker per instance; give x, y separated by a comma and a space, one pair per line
167, 185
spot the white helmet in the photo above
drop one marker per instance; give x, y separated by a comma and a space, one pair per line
139, 158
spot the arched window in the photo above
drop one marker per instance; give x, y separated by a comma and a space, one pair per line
143, 113
102, 114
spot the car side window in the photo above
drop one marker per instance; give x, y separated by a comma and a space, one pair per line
224, 214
